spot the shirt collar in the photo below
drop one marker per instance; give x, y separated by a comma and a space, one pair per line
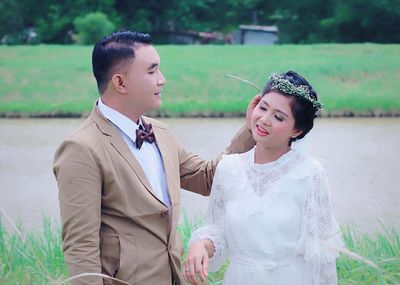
125, 124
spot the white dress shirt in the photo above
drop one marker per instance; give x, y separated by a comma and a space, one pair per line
148, 155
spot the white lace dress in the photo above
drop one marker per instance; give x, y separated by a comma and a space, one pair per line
273, 221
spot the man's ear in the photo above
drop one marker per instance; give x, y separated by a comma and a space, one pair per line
118, 83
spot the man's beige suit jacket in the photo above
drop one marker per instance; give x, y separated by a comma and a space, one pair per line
112, 222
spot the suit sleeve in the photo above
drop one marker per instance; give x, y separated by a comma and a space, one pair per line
197, 174
79, 184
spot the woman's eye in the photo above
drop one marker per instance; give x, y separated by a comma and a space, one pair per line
263, 108
280, 119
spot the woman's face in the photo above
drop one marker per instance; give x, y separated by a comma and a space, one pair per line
272, 122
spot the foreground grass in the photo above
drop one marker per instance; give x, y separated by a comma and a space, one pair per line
348, 77
31, 258
35, 257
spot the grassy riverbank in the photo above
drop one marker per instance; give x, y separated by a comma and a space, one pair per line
35, 257
351, 79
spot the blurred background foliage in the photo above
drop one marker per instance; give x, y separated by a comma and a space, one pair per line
303, 22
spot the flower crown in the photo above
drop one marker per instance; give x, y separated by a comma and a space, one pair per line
279, 82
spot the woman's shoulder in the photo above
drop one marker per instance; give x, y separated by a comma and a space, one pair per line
232, 161
313, 163
308, 166
236, 157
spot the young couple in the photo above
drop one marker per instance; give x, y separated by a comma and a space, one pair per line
120, 174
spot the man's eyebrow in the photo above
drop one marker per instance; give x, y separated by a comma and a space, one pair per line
152, 66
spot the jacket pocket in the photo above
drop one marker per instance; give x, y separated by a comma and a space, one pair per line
109, 255
129, 258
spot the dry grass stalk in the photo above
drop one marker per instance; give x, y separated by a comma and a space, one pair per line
11, 223
34, 254
244, 80
351, 254
92, 274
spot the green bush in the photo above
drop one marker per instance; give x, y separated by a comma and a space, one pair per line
92, 27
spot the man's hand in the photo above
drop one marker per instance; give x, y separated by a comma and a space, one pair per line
250, 108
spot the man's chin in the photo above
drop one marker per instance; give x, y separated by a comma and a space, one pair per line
154, 108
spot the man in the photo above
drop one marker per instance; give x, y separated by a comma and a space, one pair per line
119, 195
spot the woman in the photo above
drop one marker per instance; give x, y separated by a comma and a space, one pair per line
269, 208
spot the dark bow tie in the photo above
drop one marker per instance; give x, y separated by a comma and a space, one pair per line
144, 134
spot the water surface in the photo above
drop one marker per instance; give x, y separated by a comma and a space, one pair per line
361, 156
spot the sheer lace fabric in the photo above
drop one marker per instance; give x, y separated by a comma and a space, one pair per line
273, 221
263, 176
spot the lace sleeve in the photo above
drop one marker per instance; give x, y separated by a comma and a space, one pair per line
214, 228
320, 233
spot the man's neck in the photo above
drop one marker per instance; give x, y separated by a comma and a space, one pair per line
119, 106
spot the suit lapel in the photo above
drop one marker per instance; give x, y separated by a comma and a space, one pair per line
162, 145
120, 146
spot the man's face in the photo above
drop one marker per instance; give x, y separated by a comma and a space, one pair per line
143, 80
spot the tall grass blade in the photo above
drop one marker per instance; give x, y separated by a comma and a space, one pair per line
244, 80
92, 274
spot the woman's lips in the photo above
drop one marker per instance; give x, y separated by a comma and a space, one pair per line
261, 131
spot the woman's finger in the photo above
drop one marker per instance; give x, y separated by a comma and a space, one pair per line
192, 273
205, 265
198, 267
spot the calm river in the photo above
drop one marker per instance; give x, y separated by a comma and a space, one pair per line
362, 157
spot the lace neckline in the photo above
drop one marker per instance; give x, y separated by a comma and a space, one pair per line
269, 165
263, 177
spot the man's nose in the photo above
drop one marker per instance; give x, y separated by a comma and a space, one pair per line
161, 80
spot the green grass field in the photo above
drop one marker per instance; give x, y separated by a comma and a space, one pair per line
35, 257
50, 79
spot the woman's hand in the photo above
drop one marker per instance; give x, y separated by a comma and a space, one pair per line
196, 264
250, 108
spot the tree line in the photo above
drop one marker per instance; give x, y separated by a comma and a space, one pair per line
303, 21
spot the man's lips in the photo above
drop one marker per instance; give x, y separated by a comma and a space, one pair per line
261, 131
